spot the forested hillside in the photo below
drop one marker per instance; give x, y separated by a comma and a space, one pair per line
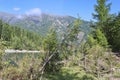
17, 38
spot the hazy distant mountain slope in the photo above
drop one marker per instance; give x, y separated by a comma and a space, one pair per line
9, 18
41, 23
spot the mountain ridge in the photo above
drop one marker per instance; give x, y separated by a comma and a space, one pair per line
40, 23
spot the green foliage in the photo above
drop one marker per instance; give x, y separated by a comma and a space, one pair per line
108, 25
70, 73
19, 38
117, 74
2, 47
96, 50
6, 32
50, 45
97, 38
113, 31
11, 73
91, 41
27, 68
1, 53
87, 60
50, 42
88, 77
16, 43
100, 61
70, 39
101, 39
102, 12
72, 36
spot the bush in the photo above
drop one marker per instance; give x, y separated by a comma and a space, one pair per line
27, 68
88, 77
1, 52
117, 74
11, 73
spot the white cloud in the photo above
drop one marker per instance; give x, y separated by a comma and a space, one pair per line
34, 11
16, 9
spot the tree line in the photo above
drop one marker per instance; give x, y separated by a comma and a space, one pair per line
18, 38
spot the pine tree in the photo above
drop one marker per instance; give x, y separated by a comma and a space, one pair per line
50, 44
102, 12
101, 39
113, 31
70, 38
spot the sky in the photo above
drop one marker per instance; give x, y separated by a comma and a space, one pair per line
83, 8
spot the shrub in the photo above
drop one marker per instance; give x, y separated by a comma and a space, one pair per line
88, 77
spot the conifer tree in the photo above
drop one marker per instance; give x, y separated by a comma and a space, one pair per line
50, 45
102, 12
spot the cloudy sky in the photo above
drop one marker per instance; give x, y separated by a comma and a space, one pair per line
58, 7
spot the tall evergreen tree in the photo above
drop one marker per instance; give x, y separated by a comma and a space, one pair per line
113, 31
70, 38
102, 12
50, 45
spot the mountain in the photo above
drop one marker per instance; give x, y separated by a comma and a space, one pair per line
41, 23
